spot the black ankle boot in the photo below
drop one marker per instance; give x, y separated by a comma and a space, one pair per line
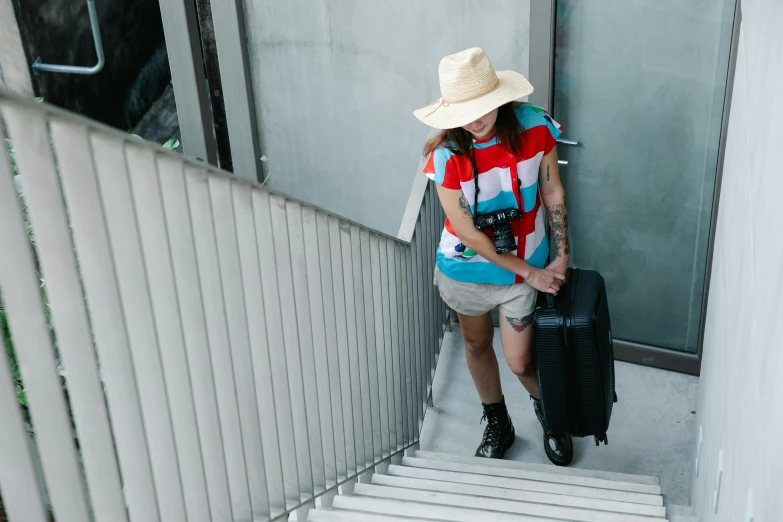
499, 434
559, 448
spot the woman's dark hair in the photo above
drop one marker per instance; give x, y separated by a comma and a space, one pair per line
460, 141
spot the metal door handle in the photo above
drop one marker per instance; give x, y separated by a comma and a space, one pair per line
38, 65
568, 142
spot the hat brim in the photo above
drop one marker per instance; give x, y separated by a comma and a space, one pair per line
511, 86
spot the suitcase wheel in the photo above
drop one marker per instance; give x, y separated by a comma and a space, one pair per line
614, 394
601, 438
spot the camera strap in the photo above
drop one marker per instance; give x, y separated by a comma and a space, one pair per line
475, 180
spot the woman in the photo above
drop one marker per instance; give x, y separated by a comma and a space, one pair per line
495, 154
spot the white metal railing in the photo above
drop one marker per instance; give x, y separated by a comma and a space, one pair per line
229, 354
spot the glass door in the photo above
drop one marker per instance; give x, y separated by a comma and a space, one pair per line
639, 88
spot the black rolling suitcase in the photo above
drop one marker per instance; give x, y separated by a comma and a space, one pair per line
574, 357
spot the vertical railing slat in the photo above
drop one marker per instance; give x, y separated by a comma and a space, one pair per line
426, 257
367, 370
186, 279
389, 295
74, 338
18, 478
318, 336
259, 346
208, 264
282, 253
359, 399
18, 482
420, 322
415, 328
430, 269
332, 356
165, 307
434, 236
437, 229
304, 338
277, 355
136, 300
410, 340
397, 319
377, 349
392, 372
402, 319
239, 341
341, 333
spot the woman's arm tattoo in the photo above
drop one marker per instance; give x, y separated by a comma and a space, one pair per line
558, 222
465, 207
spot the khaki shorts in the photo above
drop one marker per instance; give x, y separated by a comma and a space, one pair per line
515, 301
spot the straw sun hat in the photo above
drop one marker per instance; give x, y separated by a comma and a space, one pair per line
471, 88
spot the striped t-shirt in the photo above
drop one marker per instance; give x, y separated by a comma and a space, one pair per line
499, 169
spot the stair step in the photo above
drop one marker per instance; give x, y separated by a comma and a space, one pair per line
679, 513
524, 484
676, 509
544, 468
414, 510
608, 506
557, 478
495, 505
323, 515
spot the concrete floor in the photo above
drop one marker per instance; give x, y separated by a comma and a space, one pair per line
651, 431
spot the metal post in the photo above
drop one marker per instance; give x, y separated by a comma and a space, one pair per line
183, 43
229, 22
14, 69
542, 56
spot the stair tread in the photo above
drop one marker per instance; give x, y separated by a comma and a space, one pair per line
544, 468
539, 476
524, 484
427, 511
609, 506
324, 515
676, 509
469, 501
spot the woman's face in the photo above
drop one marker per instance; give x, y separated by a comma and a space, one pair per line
484, 126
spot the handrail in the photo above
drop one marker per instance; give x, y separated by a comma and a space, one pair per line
415, 198
256, 353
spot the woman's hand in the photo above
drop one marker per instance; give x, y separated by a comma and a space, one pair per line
545, 280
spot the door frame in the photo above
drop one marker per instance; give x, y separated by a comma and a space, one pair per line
543, 26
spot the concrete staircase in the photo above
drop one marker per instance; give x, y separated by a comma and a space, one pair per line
433, 486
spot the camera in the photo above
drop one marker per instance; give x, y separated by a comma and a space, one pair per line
500, 223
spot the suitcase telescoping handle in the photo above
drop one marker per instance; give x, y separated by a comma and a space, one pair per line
550, 301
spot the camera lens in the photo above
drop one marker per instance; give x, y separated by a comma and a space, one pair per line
503, 237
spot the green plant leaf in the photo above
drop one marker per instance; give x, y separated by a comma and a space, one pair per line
262, 158
171, 144
199, 159
39, 99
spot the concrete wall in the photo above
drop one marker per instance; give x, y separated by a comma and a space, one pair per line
741, 402
335, 84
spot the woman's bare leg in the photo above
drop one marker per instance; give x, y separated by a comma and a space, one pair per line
516, 336
482, 363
